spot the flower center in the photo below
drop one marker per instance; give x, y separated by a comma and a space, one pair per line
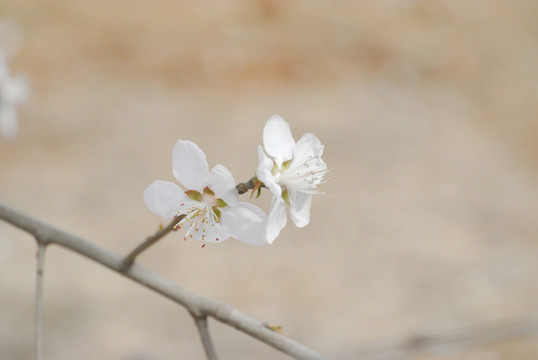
304, 175
201, 214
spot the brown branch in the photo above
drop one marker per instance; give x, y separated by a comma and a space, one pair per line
245, 186
253, 184
195, 304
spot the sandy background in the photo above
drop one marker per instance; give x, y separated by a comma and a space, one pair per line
428, 111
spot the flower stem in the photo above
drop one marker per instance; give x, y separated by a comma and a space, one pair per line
150, 240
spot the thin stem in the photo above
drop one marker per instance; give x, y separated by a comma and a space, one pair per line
150, 240
203, 330
39, 300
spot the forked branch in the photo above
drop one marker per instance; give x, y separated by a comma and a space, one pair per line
195, 304
205, 337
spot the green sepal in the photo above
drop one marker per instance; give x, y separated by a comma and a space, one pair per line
217, 212
221, 203
286, 165
194, 195
285, 196
274, 170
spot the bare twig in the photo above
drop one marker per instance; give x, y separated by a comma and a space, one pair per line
443, 341
203, 330
201, 307
150, 240
193, 302
39, 300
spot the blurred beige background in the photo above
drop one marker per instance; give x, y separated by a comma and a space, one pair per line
428, 112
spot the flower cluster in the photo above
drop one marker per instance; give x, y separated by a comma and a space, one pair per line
210, 208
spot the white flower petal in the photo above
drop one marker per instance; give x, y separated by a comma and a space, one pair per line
307, 146
198, 230
189, 165
300, 207
276, 220
265, 175
216, 234
222, 182
164, 198
245, 222
277, 139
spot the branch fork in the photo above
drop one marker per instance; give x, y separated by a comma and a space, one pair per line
200, 306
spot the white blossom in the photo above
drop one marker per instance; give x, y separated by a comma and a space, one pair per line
292, 171
210, 203
13, 91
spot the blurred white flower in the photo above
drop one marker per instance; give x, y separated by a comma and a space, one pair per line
13, 91
292, 171
213, 212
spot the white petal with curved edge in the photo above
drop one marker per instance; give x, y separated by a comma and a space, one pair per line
217, 234
276, 220
307, 146
164, 198
245, 222
265, 175
222, 182
189, 165
277, 139
300, 207
211, 233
